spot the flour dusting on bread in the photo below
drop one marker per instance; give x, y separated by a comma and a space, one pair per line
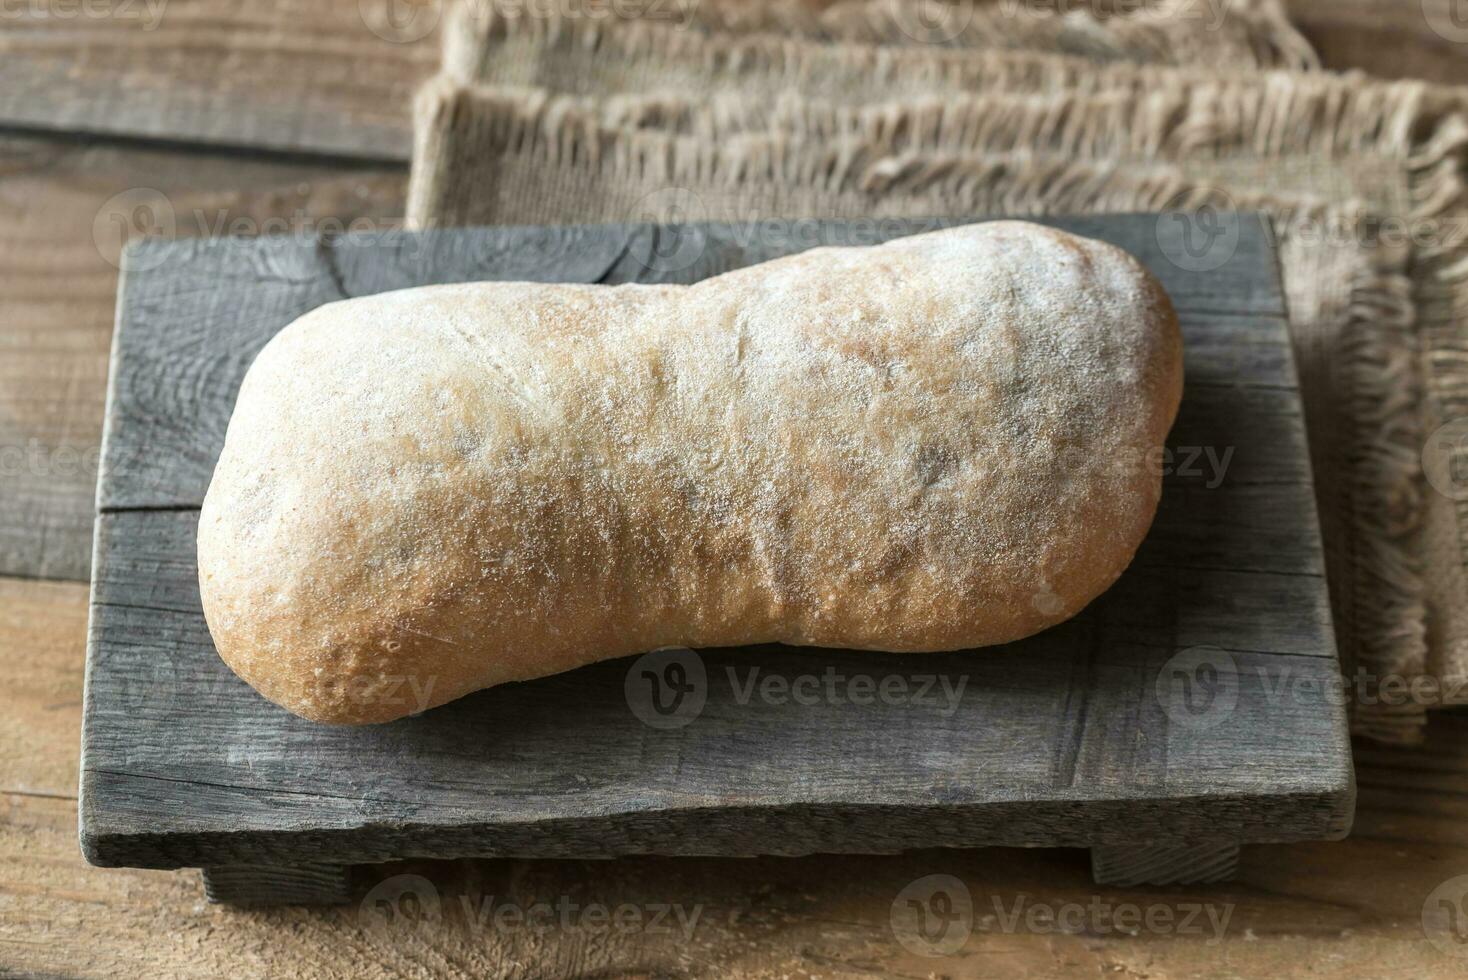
944, 442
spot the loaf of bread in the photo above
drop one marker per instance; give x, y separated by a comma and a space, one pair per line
943, 442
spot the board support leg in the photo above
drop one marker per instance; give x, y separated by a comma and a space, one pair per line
266, 884
1164, 864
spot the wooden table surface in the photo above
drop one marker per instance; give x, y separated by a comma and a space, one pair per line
245, 118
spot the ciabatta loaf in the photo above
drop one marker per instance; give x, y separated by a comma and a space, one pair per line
943, 442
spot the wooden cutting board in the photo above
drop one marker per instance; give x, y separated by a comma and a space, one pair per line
1193, 707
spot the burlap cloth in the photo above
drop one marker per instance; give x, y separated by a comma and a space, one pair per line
852, 111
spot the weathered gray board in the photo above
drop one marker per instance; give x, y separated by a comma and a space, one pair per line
1088, 735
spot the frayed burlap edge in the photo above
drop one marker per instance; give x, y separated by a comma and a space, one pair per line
1178, 32
1442, 200
1205, 118
566, 51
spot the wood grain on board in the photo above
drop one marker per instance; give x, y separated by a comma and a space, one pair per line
1422, 39
178, 381
42, 639
325, 76
1059, 739
66, 207
1350, 909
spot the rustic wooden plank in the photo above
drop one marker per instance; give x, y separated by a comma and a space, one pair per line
1017, 733
332, 76
65, 208
53, 358
42, 651
261, 884
1165, 864
1423, 39
1350, 908
179, 373
1340, 905
1077, 736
